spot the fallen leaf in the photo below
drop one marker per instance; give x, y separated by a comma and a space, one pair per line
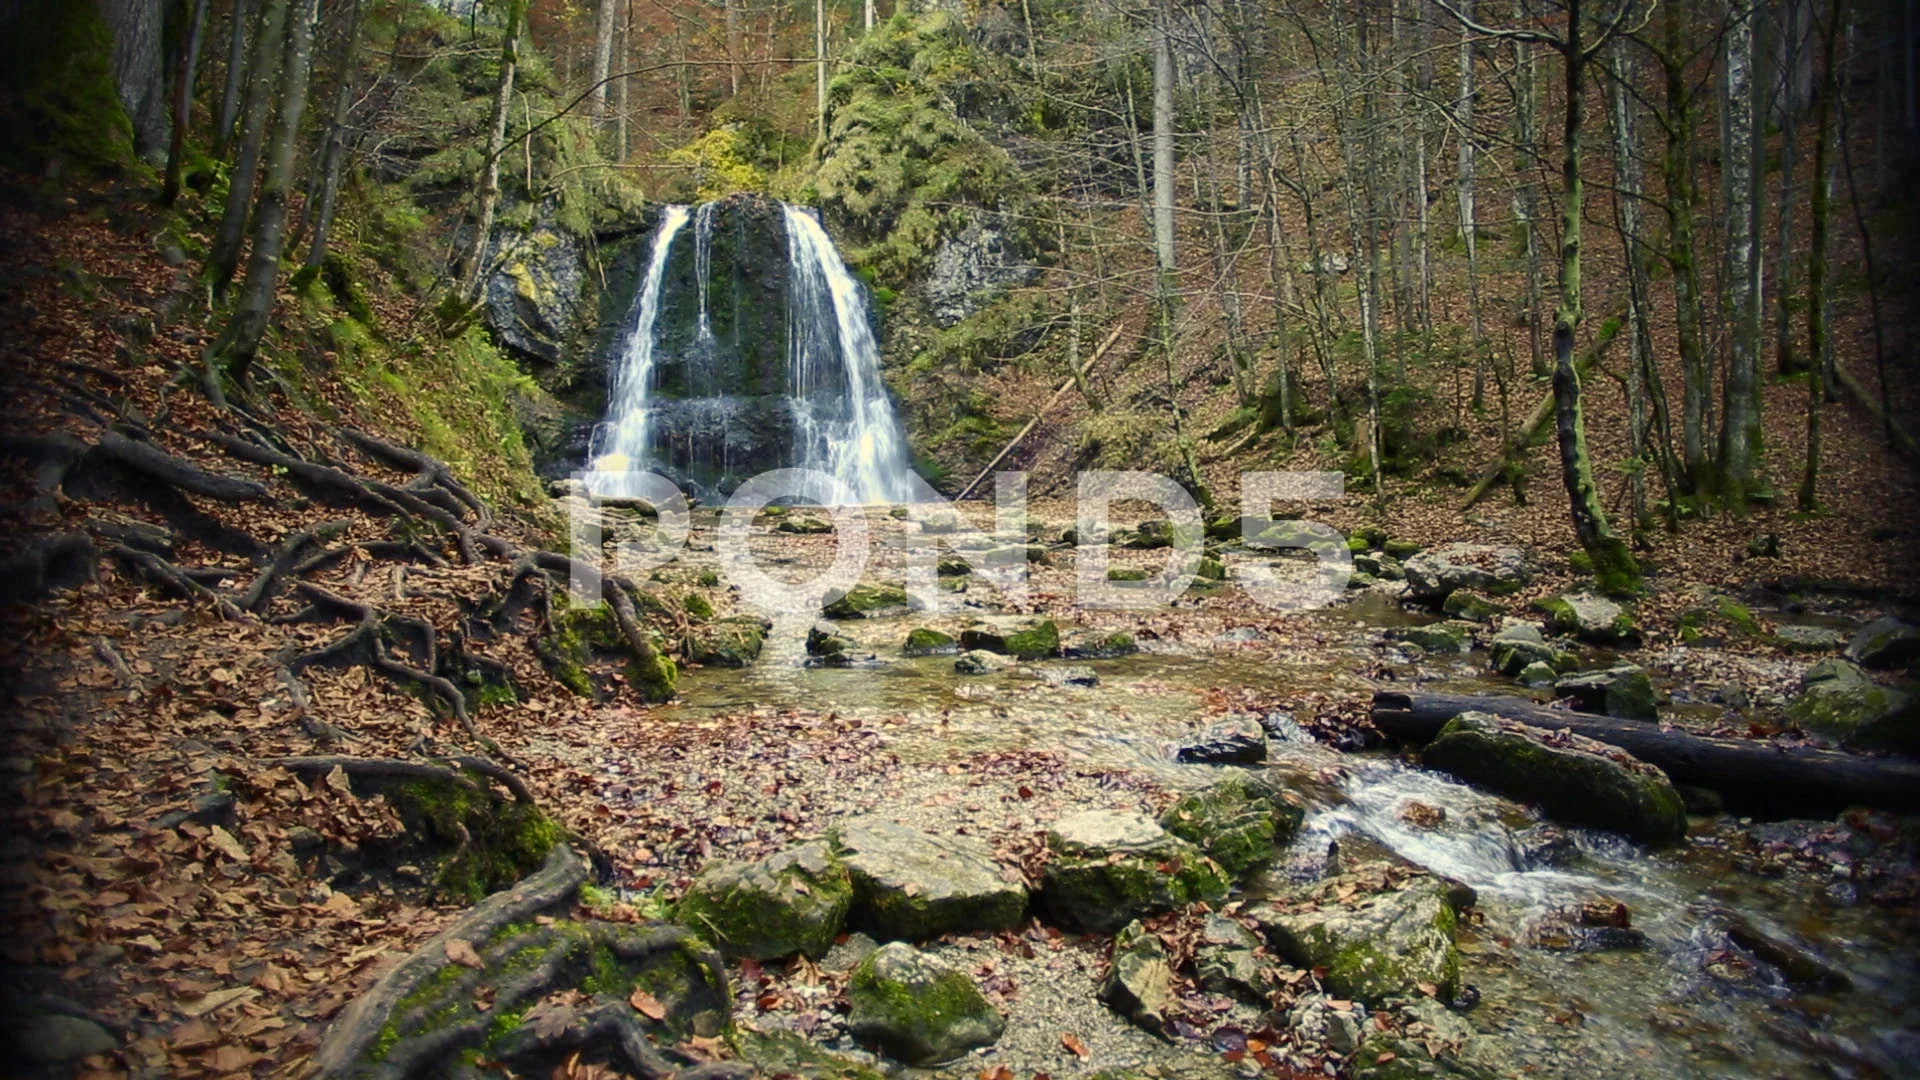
228, 846
648, 1005
1074, 1043
460, 951
206, 1003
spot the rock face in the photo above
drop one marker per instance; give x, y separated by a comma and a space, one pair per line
909, 885
1588, 617
1624, 691
972, 267
1841, 701
1139, 984
795, 901
1885, 643
918, 1009
1379, 947
1237, 741
1110, 867
1236, 820
1435, 574
533, 297
1575, 779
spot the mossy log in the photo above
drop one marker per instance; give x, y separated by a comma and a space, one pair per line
1753, 775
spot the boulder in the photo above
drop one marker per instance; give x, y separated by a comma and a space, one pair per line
1885, 643
1471, 606
1574, 779
1374, 947
1519, 645
794, 901
910, 885
980, 662
1315, 1022
1225, 961
1841, 701
1435, 637
1236, 820
924, 642
1802, 638
728, 643
1537, 675
533, 296
1096, 645
804, 526
952, 566
1439, 572
1139, 982
1588, 617
981, 638
917, 1008
870, 600
1623, 690
1238, 740
1382, 567
1034, 643
1109, 867
827, 647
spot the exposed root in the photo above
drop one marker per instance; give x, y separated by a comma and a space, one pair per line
431, 471
364, 644
171, 578
261, 591
151, 460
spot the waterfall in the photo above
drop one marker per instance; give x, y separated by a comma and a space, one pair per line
743, 358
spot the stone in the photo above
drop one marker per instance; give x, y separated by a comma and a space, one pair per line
1381, 567
55, 1039
1885, 643
729, 643
794, 901
1128, 573
980, 662
1519, 645
1236, 820
1435, 637
1034, 643
1802, 638
924, 642
1225, 960
1401, 549
973, 266
910, 885
1083, 644
917, 1008
1471, 606
1109, 867
1840, 700
1070, 675
1590, 618
978, 638
830, 648
952, 566
1622, 691
804, 526
1238, 740
533, 296
1573, 778
1150, 535
1437, 573
1374, 947
1387, 1056
1315, 1022
1537, 675
1139, 982
870, 600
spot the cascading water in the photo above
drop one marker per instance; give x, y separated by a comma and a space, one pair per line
739, 361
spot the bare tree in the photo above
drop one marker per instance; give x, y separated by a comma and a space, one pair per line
604, 14
185, 62
1819, 327
333, 155
475, 263
1740, 413
236, 75
223, 256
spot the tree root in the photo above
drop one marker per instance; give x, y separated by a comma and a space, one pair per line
402, 769
261, 591
365, 645
145, 458
432, 472
175, 580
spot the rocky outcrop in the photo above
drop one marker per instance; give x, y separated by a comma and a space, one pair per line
1841, 701
917, 1008
1236, 820
973, 266
1435, 574
1573, 778
535, 299
1885, 643
910, 885
1590, 618
1109, 867
795, 901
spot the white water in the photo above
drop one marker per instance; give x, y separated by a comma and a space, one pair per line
620, 446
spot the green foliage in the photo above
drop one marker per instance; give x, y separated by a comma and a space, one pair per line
57, 96
722, 163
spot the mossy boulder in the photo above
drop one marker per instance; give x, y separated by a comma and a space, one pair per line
582, 648
1098, 645
1885, 643
924, 642
917, 1008
870, 600
1109, 867
1435, 637
1841, 701
827, 647
477, 843
953, 566
1575, 779
1237, 819
1401, 549
1035, 642
795, 901
1435, 574
1128, 573
1139, 981
1519, 645
1623, 690
1800, 637
804, 526
980, 662
1588, 617
1374, 947
1471, 606
1537, 675
1379, 566
910, 885
728, 643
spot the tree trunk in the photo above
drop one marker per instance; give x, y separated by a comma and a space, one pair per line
1469, 232
623, 49
223, 257
820, 65
1678, 176
1526, 167
249, 321
184, 65
1818, 315
139, 70
1626, 168
1740, 419
604, 12
236, 76
476, 268
332, 159
734, 46
1614, 566
1791, 50
1163, 178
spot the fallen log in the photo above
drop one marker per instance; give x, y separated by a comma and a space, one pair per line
1753, 775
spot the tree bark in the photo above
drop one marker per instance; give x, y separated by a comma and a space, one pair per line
603, 19
236, 79
139, 70
1818, 314
1678, 177
476, 268
223, 257
820, 65
1526, 165
1469, 231
1163, 178
334, 156
184, 65
1740, 419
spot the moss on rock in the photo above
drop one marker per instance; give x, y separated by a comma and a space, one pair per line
918, 1009
1108, 868
795, 901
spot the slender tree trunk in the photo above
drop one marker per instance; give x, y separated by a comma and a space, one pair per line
1469, 230
1740, 420
1163, 178
223, 257
1627, 196
1818, 314
249, 321
605, 12
1526, 167
476, 261
820, 65
184, 65
1791, 49
624, 51
867, 23
333, 158
235, 81
1677, 172
734, 45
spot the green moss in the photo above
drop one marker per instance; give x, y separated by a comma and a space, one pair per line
59, 100
1127, 573
922, 641
868, 600
505, 841
1037, 643
697, 606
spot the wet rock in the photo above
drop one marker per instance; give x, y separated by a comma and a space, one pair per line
1360, 579
1238, 740
1799, 638
794, 901
1590, 618
910, 885
1537, 675
1097, 645
980, 662
1150, 535
1885, 643
981, 638
1421, 815
1599, 925
1519, 645
1314, 1021
942, 521
827, 647
1385, 1056
1798, 964
729, 643
804, 526
1374, 947
1623, 691
1435, 638
1071, 675
1139, 982
1437, 573
1472, 607
870, 600
1839, 700
1128, 573
1225, 962
1109, 867
925, 642
533, 297
1034, 643
1573, 778
55, 1039
917, 1008
952, 566
1236, 820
